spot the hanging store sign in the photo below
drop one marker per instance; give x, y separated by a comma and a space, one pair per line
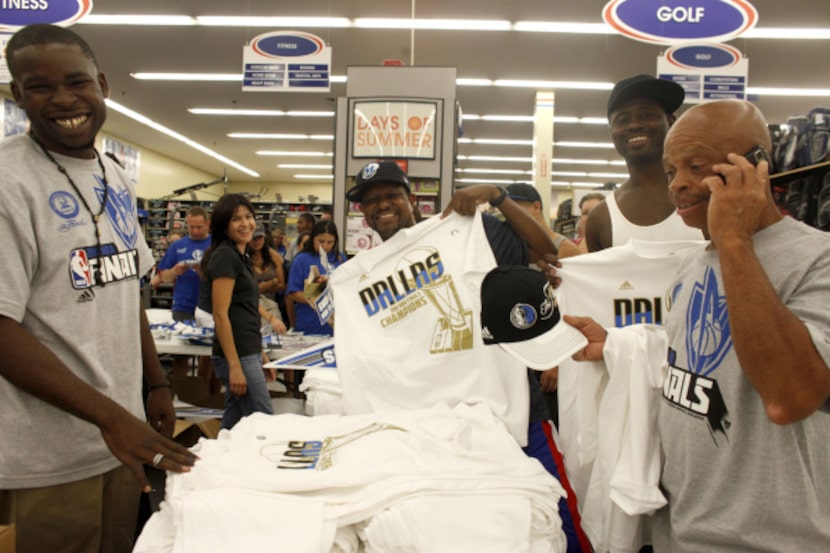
706, 71
680, 21
399, 129
286, 61
17, 14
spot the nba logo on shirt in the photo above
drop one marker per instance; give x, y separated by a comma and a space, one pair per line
79, 269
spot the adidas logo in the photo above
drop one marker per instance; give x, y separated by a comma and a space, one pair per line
626, 286
86, 296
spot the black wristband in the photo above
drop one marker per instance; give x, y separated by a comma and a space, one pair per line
500, 199
154, 387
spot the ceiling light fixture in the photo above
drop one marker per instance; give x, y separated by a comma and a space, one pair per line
251, 112
273, 22
154, 20
268, 136
293, 154
489, 181
495, 171
567, 27
432, 24
206, 77
314, 177
304, 166
115, 106
562, 85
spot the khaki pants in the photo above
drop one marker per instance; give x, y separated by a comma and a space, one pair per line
96, 515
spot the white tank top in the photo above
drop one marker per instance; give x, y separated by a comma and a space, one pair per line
669, 229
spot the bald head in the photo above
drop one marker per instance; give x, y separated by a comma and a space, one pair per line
726, 126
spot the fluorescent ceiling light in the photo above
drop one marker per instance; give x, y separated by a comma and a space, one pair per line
432, 24
268, 136
588, 184
497, 158
772, 91
304, 166
473, 82
155, 20
569, 173
274, 22
298, 113
498, 141
489, 181
293, 154
252, 112
508, 118
280, 136
582, 161
207, 77
787, 33
563, 27
608, 175
495, 171
259, 112
115, 106
593, 120
529, 119
314, 177
562, 85
573, 144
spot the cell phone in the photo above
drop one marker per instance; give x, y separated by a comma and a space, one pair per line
756, 155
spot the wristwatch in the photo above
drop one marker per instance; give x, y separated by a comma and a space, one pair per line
500, 199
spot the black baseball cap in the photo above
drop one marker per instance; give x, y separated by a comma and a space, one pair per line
668, 94
521, 192
386, 172
520, 314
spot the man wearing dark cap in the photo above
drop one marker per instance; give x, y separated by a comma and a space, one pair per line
640, 111
387, 204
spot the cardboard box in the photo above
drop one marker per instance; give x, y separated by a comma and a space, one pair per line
8, 539
188, 432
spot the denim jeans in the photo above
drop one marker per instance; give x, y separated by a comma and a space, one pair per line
257, 399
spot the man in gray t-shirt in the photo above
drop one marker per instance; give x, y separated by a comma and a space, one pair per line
744, 420
74, 341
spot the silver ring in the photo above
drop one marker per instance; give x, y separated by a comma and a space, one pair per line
157, 459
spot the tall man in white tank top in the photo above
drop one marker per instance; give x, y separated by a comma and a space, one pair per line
640, 112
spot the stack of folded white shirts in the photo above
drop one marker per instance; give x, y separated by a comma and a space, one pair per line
323, 393
433, 480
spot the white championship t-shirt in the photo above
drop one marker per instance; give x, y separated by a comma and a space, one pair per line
408, 330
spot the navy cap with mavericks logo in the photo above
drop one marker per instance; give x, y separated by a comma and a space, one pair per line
377, 172
520, 314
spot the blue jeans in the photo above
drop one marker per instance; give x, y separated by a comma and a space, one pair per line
257, 399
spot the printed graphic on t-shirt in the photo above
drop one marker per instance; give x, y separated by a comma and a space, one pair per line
708, 340
86, 268
318, 454
417, 281
121, 213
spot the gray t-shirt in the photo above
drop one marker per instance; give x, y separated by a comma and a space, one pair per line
736, 482
48, 284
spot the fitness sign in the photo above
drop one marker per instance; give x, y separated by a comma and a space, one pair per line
19, 13
680, 21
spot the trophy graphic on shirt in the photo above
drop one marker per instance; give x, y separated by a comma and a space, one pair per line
454, 329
